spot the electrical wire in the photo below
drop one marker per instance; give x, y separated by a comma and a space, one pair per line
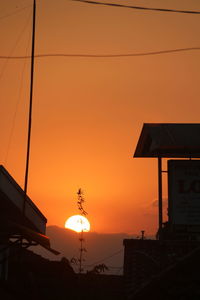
106, 258
1, 75
110, 267
16, 107
14, 13
120, 269
14, 47
82, 55
139, 7
113, 267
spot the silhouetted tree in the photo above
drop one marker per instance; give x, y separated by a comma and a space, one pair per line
98, 269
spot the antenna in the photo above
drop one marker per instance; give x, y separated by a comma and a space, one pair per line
81, 239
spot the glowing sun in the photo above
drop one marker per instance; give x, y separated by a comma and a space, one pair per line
78, 223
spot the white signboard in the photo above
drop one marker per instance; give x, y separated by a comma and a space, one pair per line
184, 192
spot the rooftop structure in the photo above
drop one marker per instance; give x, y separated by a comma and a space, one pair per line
161, 270
169, 261
12, 201
169, 140
21, 222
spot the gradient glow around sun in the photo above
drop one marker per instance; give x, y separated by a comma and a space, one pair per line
78, 223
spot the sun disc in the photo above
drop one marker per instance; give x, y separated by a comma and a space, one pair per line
78, 223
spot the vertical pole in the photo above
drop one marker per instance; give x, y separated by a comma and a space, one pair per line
30, 107
81, 253
160, 211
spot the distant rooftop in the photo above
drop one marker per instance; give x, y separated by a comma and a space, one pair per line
169, 140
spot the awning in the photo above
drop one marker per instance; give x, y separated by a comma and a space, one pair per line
10, 228
169, 140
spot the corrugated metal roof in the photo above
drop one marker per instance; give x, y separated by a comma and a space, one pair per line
169, 140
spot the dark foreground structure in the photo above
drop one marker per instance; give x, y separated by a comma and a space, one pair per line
25, 275
34, 277
167, 268
162, 270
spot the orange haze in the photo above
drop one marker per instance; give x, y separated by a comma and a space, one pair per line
88, 112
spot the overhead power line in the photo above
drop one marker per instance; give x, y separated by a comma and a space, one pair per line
106, 258
19, 96
14, 47
140, 7
14, 12
83, 55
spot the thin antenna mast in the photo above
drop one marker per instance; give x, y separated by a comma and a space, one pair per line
81, 239
30, 107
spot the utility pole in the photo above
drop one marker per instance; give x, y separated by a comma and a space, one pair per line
30, 107
82, 249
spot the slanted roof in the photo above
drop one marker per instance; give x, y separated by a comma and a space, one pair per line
30, 224
11, 204
10, 229
169, 140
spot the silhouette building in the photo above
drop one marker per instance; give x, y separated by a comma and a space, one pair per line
177, 243
21, 224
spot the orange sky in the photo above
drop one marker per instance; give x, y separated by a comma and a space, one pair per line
88, 113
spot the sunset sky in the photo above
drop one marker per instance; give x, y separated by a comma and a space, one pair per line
88, 112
